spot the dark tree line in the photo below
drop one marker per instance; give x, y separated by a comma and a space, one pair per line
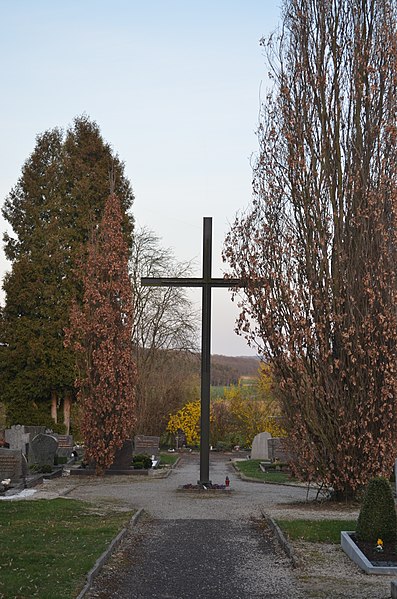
53, 209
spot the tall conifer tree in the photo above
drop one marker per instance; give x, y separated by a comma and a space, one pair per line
52, 210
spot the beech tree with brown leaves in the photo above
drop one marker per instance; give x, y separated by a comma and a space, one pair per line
100, 334
318, 246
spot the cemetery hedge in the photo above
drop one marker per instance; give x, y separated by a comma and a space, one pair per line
48, 547
142, 461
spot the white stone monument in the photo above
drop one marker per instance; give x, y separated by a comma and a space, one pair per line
260, 450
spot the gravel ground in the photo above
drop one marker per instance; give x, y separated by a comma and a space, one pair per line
196, 559
188, 538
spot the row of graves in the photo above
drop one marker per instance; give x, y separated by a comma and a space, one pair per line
271, 451
135, 457
29, 454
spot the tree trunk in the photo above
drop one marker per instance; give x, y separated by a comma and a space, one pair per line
67, 404
54, 398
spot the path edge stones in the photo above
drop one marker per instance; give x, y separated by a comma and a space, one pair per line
281, 538
104, 558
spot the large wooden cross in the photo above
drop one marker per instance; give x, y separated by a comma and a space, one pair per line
206, 282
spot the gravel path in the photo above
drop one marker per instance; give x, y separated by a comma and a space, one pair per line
203, 546
196, 559
161, 499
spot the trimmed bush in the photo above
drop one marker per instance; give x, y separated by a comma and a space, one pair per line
377, 519
141, 461
45, 469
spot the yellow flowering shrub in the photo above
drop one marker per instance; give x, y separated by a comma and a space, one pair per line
253, 408
188, 420
244, 411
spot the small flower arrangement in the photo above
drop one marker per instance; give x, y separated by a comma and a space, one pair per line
379, 545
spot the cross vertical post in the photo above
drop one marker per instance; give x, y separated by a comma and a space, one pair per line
206, 355
206, 282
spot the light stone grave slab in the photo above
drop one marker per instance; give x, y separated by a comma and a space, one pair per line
19, 436
260, 450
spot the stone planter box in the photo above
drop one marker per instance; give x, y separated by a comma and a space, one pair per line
358, 557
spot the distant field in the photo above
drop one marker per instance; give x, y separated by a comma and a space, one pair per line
217, 391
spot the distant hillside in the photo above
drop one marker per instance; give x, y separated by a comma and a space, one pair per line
226, 370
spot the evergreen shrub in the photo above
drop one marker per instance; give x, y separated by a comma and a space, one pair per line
377, 518
141, 461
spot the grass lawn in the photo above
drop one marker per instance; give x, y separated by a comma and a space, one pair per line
251, 468
168, 459
316, 531
47, 546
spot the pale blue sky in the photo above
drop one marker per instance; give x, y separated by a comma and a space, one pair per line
175, 88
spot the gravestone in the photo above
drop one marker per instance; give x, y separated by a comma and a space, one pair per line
42, 450
19, 436
277, 450
123, 458
260, 449
11, 464
146, 444
180, 439
65, 445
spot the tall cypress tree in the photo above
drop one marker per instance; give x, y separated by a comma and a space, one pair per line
53, 209
100, 333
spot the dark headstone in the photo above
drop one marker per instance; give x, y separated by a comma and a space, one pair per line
146, 444
123, 457
180, 439
11, 465
42, 450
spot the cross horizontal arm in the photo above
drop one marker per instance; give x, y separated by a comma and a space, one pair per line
191, 282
